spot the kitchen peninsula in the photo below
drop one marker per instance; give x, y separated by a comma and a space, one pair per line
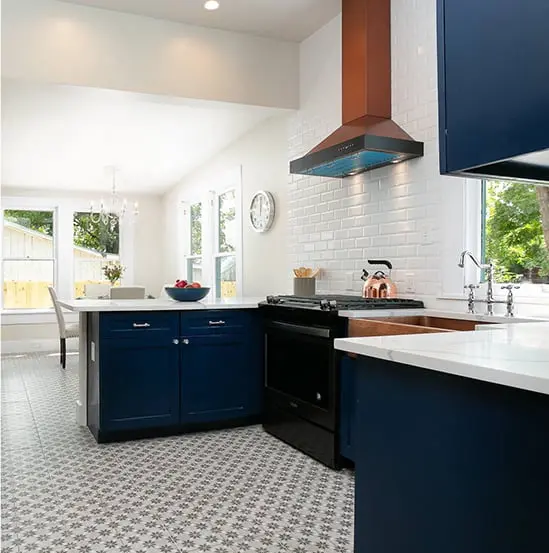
148, 367
451, 448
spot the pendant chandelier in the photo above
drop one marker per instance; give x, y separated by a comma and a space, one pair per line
114, 210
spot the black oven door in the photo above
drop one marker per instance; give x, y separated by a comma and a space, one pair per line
300, 370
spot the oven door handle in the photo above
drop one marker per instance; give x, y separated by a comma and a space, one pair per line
299, 329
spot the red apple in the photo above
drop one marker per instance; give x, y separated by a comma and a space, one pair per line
196, 285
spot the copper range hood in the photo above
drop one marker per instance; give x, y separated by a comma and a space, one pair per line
368, 138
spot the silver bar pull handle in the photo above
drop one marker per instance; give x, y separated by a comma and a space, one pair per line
216, 323
141, 325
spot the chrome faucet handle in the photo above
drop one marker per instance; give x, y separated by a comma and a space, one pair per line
471, 297
510, 303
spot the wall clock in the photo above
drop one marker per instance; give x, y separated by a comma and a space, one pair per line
262, 211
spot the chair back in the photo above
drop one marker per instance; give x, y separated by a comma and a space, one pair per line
96, 290
58, 312
128, 293
163, 293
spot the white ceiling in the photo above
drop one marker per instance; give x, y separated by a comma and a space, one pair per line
291, 20
62, 137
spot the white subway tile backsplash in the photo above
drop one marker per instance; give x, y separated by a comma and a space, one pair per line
337, 224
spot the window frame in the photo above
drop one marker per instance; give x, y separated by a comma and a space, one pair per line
190, 257
535, 291
237, 253
8, 205
64, 209
90, 261
229, 180
462, 220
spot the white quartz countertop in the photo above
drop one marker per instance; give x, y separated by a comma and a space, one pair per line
88, 305
515, 355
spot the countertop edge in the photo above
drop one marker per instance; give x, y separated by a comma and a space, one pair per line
142, 305
465, 370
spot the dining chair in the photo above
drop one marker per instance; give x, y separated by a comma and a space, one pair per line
65, 331
163, 293
96, 291
128, 293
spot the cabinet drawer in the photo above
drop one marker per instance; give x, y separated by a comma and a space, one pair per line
139, 324
215, 322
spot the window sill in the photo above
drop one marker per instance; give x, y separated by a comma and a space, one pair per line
32, 316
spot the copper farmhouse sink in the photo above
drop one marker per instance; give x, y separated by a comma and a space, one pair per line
393, 326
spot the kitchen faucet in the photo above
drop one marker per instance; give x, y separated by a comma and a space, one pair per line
489, 267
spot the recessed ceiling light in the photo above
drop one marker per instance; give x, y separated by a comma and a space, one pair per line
211, 5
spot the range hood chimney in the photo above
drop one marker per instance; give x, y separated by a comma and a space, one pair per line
368, 138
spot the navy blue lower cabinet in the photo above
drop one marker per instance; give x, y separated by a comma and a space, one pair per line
347, 407
221, 378
161, 373
448, 464
139, 384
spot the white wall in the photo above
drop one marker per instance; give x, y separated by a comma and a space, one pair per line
262, 155
407, 213
145, 247
391, 213
57, 42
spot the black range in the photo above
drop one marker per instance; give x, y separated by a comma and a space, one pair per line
301, 376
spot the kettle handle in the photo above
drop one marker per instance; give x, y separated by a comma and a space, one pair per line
388, 264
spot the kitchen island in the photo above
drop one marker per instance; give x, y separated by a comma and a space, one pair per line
451, 448
161, 365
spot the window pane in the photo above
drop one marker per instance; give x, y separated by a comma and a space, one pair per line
96, 234
88, 271
225, 276
28, 234
26, 284
194, 270
196, 229
514, 239
227, 222
96, 241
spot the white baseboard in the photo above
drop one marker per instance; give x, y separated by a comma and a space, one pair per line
33, 346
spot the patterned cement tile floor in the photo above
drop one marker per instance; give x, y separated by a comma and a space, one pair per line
231, 491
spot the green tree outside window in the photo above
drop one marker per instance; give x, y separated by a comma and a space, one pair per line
517, 230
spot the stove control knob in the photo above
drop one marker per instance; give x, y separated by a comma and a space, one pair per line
324, 305
273, 299
318, 397
333, 304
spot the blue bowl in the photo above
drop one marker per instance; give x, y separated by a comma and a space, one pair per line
187, 294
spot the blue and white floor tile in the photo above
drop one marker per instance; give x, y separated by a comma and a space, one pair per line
230, 491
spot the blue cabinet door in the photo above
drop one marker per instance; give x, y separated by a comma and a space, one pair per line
221, 378
347, 407
493, 80
139, 384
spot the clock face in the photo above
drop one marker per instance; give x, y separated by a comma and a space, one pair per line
262, 210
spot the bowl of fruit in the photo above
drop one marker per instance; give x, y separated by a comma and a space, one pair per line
186, 291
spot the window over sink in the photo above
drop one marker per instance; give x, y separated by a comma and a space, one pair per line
515, 233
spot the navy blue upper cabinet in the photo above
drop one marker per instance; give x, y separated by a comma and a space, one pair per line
493, 87
139, 384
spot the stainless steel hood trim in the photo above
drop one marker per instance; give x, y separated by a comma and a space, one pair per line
405, 149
